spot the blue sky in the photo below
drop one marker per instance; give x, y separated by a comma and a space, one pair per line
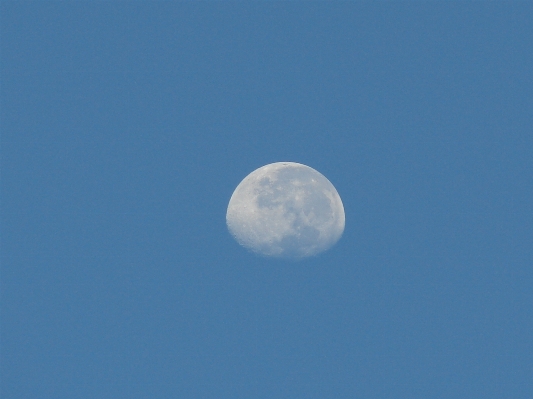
126, 126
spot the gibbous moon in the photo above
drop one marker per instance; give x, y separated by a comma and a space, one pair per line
287, 210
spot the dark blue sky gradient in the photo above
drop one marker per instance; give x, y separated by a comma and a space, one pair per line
126, 126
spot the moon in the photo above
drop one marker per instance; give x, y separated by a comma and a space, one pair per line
286, 210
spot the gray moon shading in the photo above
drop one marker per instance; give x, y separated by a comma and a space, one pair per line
286, 210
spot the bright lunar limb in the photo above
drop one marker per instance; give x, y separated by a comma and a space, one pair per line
286, 209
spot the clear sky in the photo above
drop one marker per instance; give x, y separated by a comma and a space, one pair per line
126, 126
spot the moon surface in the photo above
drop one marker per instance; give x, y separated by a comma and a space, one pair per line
286, 210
